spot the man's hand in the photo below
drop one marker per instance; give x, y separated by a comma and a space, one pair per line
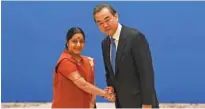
110, 95
109, 89
146, 106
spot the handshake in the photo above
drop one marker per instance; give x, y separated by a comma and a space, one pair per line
109, 94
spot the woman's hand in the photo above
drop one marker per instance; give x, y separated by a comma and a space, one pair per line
109, 95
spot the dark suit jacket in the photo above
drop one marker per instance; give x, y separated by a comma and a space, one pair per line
133, 80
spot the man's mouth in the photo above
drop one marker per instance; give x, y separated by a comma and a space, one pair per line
107, 30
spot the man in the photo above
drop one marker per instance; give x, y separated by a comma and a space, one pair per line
127, 59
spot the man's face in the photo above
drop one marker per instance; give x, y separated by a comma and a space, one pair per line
106, 22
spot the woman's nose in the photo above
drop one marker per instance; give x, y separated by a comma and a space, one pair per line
78, 44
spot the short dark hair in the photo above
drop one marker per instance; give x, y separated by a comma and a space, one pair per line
71, 32
99, 7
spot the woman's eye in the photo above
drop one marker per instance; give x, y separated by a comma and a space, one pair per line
82, 41
74, 41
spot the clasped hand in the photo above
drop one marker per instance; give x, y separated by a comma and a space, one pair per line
110, 95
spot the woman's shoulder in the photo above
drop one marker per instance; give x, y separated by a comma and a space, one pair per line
64, 57
90, 59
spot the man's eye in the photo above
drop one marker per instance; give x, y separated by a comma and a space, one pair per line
107, 20
100, 23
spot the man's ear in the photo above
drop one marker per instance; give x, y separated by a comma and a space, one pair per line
116, 16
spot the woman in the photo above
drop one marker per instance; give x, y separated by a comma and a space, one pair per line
73, 82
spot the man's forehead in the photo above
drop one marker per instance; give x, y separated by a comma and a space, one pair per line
102, 17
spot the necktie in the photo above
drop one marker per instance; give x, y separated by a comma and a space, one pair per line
113, 54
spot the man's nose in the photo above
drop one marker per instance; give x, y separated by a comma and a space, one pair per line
105, 25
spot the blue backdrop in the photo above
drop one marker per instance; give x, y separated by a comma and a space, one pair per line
33, 36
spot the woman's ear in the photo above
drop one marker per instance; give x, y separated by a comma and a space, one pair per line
67, 45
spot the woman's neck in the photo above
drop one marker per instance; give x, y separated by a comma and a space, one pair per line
76, 57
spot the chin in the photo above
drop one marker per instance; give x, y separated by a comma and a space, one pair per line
106, 33
109, 33
77, 52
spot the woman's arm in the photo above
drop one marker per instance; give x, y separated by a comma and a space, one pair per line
69, 70
86, 86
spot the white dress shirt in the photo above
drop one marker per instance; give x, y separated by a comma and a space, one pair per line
116, 36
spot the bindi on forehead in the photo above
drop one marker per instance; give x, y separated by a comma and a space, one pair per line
78, 38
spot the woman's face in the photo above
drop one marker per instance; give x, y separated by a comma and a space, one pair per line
76, 44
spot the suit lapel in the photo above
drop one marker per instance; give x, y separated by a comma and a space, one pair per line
121, 45
107, 54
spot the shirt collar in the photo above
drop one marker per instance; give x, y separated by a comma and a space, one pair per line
116, 35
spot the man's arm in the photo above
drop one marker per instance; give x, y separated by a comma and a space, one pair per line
109, 89
143, 62
106, 69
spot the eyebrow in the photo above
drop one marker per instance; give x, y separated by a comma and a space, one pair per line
77, 39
